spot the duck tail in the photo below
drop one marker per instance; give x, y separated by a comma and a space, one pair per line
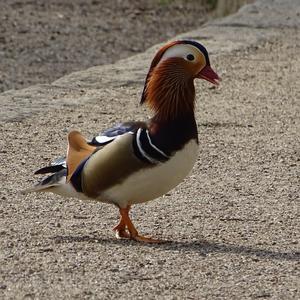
48, 183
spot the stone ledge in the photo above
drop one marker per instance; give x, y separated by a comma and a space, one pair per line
251, 25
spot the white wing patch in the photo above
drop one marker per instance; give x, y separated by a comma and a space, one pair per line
103, 139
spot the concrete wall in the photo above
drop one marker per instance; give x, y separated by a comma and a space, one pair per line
226, 7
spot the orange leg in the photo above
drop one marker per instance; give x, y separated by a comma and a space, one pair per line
121, 231
131, 232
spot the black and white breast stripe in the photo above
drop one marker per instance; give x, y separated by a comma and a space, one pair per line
146, 150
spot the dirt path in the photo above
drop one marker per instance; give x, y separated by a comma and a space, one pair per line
234, 222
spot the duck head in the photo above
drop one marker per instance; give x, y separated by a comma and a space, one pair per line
169, 88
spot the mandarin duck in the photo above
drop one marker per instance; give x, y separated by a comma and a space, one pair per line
135, 162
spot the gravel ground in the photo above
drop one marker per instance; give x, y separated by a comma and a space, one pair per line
234, 223
42, 40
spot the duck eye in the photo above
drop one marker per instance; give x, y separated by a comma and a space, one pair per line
190, 57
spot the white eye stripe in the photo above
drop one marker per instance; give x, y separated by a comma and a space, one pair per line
181, 50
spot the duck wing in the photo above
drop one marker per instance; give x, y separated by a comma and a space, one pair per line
100, 140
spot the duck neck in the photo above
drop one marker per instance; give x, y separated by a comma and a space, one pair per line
172, 135
169, 91
174, 102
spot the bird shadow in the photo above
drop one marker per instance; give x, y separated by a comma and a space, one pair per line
201, 247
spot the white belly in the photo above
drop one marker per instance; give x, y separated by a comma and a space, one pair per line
151, 183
